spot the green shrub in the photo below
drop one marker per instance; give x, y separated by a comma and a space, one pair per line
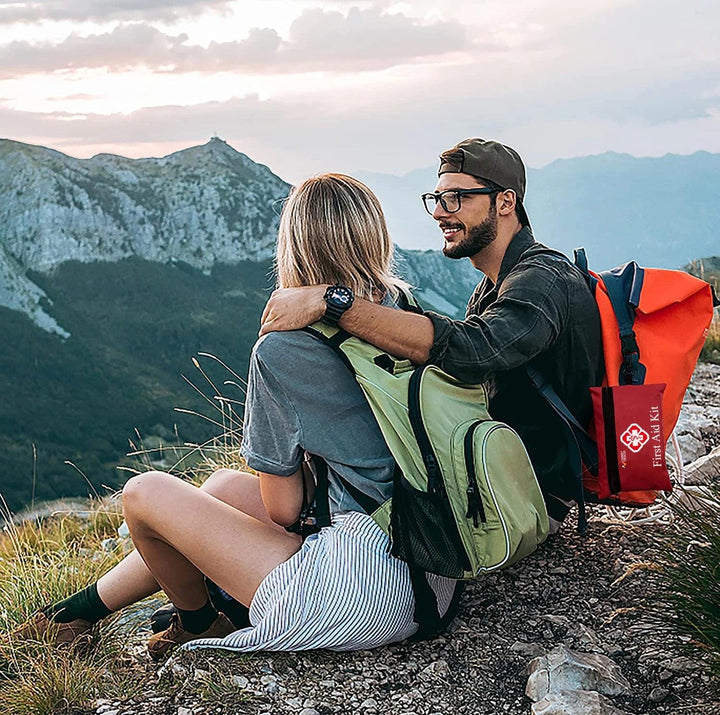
711, 349
685, 586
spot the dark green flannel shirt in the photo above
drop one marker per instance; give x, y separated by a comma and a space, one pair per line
540, 312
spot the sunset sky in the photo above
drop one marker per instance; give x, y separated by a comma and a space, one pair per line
384, 86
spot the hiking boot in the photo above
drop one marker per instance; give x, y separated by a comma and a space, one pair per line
39, 627
162, 643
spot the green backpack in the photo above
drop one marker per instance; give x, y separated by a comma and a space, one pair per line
465, 498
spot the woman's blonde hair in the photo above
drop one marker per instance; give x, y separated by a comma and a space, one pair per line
332, 230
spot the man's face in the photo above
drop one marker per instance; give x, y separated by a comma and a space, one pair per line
474, 226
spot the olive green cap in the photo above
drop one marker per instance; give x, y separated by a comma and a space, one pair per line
488, 160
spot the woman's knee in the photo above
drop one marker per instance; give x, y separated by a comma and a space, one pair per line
227, 484
145, 489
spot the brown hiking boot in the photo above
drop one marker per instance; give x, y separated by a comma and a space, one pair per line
39, 627
162, 643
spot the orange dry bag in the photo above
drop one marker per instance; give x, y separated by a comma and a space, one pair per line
654, 323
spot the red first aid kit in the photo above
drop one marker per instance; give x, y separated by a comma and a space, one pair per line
628, 422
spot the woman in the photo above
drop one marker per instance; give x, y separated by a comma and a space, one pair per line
340, 588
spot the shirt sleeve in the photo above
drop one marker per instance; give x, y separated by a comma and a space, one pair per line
528, 315
272, 434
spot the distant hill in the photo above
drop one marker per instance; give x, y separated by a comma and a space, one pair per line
113, 274
659, 211
706, 268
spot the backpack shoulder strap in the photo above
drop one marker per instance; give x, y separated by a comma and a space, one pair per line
407, 301
623, 286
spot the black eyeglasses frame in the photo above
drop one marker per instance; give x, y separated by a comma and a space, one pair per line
438, 196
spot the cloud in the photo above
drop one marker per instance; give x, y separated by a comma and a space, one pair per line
635, 77
105, 9
318, 41
345, 132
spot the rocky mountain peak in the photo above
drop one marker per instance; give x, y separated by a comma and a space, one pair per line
203, 205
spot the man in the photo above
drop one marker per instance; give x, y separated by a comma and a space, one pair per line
532, 309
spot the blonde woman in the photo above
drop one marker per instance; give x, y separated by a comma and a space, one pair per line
337, 589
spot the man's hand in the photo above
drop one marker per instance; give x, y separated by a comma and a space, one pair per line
293, 308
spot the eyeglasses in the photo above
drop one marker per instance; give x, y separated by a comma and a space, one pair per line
450, 199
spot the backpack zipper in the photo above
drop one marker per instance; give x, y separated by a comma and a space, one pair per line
475, 504
421, 435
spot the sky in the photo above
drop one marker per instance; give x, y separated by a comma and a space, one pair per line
307, 86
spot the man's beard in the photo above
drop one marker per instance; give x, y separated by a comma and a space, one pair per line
478, 237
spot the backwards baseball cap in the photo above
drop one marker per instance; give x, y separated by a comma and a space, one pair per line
491, 161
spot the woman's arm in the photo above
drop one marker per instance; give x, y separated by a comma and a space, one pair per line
282, 496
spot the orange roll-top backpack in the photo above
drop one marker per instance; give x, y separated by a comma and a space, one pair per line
654, 323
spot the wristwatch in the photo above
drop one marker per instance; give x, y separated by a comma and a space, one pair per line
338, 299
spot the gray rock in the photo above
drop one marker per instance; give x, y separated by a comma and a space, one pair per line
576, 702
309, 711
563, 669
369, 704
109, 544
705, 470
439, 667
529, 650
658, 694
690, 447
240, 681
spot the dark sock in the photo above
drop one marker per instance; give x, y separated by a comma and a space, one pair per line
224, 603
198, 621
85, 604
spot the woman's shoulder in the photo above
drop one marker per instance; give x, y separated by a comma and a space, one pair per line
288, 345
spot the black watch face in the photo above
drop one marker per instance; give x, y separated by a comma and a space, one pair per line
340, 296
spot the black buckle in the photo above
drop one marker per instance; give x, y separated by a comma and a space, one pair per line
305, 526
628, 345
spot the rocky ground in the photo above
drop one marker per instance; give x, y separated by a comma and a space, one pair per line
585, 593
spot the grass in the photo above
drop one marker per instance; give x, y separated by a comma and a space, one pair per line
45, 560
685, 579
42, 562
711, 349
708, 269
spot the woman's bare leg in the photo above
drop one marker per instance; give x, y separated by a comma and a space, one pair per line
183, 532
131, 580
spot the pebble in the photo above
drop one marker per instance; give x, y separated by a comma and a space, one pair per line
369, 704
309, 711
658, 694
109, 544
184, 711
240, 681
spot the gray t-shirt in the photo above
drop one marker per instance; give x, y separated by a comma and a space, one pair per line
301, 397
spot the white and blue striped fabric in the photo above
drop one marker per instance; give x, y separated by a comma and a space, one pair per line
341, 591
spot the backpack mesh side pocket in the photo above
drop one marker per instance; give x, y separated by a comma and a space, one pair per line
424, 532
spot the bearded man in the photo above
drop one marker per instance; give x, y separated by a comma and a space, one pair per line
533, 309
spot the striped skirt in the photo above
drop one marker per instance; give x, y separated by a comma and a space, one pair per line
341, 591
